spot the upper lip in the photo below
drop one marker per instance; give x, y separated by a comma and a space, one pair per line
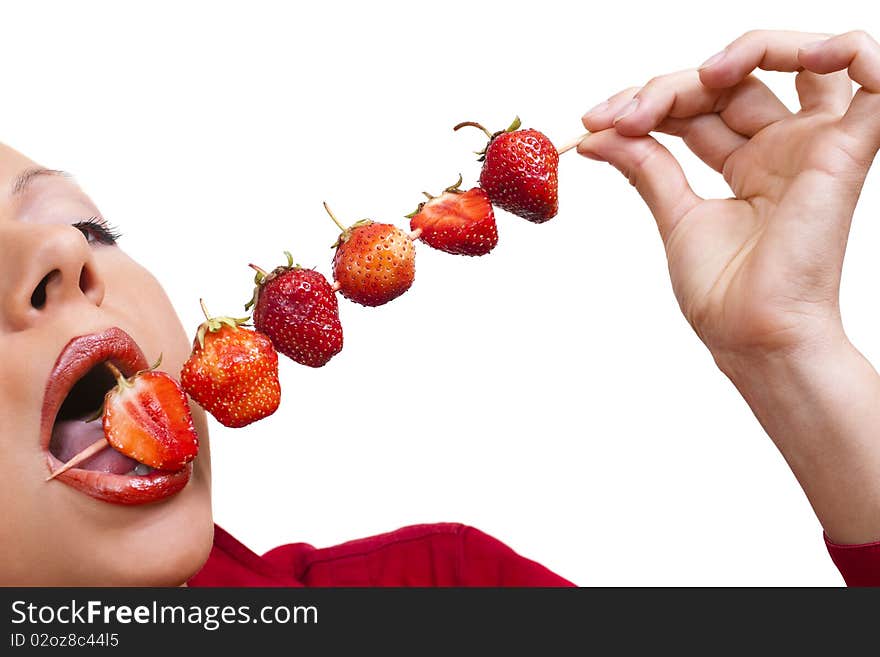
79, 356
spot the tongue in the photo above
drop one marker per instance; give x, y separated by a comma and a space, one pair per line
70, 437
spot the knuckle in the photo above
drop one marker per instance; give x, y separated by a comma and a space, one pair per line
648, 150
862, 39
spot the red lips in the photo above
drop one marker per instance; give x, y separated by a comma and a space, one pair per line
79, 356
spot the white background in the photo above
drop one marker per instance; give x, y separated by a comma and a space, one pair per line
550, 393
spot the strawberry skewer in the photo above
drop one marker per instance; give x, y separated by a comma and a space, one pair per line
87, 453
569, 145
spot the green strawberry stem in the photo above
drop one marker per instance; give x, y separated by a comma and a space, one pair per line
124, 382
333, 217
260, 271
120, 379
513, 127
261, 277
452, 189
472, 124
96, 415
75, 460
455, 187
214, 324
569, 145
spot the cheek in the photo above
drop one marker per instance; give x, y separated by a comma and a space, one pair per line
151, 320
134, 294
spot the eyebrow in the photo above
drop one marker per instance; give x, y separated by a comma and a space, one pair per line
25, 177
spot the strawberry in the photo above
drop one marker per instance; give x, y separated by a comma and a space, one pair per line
297, 310
232, 372
520, 172
374, 263
456, 222
147, 418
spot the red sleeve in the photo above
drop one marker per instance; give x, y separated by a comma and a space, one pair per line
859, 564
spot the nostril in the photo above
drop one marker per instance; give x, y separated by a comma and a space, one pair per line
85, 280
38, 298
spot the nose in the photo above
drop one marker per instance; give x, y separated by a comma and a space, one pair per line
44, 267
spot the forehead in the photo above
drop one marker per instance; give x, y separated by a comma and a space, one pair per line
20, 176
12, 163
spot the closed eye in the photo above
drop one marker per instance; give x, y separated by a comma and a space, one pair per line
98, 230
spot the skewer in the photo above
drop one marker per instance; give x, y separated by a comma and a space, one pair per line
572, 144
88, 452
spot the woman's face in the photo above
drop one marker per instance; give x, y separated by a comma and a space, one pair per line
68, 297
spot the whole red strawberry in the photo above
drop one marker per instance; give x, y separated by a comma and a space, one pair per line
456, 222
297, 309
374, 263
520, 172
232, 372
147, 418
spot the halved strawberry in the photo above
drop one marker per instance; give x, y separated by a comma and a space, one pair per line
147, 418
457, 222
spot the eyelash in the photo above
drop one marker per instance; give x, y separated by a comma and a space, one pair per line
98, 229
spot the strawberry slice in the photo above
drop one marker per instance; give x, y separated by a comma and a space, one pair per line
457, 222
147, 418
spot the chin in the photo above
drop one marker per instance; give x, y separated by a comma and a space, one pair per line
161, 546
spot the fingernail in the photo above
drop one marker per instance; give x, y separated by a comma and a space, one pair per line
714, 59
630, 107
813, 45
598, 108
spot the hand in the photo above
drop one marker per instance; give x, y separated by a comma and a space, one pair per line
759, 272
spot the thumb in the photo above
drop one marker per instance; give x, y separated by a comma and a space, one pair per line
651, 169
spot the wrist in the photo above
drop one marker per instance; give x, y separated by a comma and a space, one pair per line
820, 404
766, 366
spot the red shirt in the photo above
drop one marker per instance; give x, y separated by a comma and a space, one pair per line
859, 564
443, 554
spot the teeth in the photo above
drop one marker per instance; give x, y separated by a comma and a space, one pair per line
141, 469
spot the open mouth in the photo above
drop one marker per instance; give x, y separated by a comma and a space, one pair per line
76, 426
74, 394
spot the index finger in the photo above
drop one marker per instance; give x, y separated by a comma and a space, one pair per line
768, 50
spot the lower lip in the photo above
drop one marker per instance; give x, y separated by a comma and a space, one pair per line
124, 489
78, 357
